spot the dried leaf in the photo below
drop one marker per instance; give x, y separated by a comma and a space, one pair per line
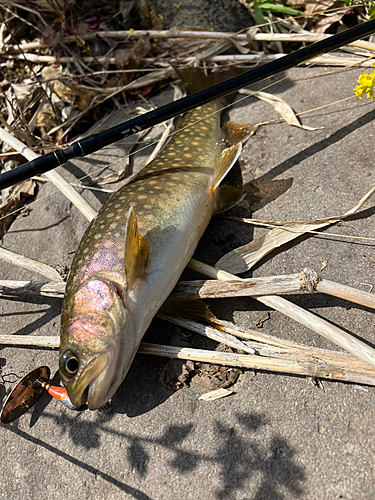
313, 6
298, 4
149, 17
240, 46
213, 376
280, 106
114, 177
52, 41
326, 22
323, 14
244, 258
218, 394
22, 90
17, 199
262, 319
81, 30
139, 51
45, 118
122, 57
182, 47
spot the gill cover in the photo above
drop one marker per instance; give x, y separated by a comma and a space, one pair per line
92, 325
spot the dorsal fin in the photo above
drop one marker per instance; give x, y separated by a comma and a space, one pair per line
137, 252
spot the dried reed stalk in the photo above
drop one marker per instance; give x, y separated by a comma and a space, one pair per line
306, 318
199, 289
32, 265
199, 35
30, 341
285, 349
211, 289
211, 333
291, 366
343, 368
323, 60
346, 292
159, 75
255, 335
13, 288
306, 280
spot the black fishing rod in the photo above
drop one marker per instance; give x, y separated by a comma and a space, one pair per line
98, 141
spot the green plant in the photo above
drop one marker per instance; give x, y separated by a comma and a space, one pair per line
263, 7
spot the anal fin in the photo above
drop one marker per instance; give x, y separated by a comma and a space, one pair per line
137, 252
186, 308
227, 197
224, 163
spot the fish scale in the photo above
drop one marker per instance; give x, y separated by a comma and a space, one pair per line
164, 183
133, 253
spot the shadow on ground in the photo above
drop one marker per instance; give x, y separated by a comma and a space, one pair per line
237, 459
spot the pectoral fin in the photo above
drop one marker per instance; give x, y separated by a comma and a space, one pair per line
137, 252
178, 122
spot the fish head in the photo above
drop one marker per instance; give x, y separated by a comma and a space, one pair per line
94, 353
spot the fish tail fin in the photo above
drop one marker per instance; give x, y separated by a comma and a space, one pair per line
196, 79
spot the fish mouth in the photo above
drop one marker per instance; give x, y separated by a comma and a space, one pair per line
103, 387
80, 394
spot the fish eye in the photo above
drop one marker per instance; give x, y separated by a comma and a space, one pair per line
69, 363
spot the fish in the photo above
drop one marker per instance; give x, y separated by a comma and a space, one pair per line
133, 253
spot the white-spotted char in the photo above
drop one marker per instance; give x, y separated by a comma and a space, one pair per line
134, 251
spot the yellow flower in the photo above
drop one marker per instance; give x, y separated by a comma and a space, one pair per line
366, 85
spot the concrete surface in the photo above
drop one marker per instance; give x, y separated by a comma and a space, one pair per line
278, 437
